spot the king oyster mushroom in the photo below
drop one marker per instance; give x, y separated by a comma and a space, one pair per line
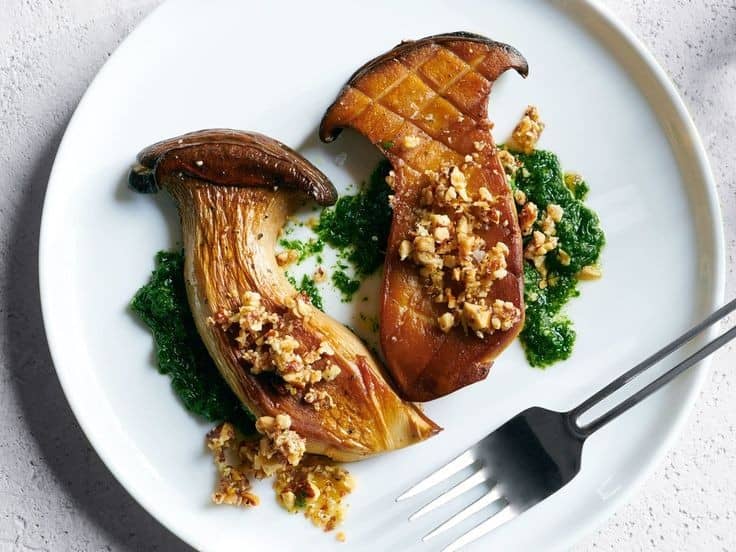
234, 191
424, 105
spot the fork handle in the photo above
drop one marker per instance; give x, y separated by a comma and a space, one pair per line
588, 429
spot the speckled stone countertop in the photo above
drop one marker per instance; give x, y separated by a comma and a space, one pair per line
55, 493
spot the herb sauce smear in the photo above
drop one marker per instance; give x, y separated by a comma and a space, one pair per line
180, 353
358, 226
548, 335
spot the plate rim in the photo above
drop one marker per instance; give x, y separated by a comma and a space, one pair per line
701, 371
587, 8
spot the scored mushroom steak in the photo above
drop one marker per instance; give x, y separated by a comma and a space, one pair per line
452, 296
278, 353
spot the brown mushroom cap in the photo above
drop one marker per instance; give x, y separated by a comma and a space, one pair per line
230, 158
499, 58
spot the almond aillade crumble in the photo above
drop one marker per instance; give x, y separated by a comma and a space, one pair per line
458, 267
318, 489
301, 481
233, 486
527, 132
265, 344
541, 229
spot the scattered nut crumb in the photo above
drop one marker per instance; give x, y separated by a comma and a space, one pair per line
590, 272
509, 162
287, 257
527, 217
264, 342
445, 246
411, 141
316, 488
301, 482
320, 275
233, 486
520, 197
527, 132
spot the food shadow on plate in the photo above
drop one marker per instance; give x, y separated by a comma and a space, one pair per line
350, 159
58, 451
166, 210
161, 201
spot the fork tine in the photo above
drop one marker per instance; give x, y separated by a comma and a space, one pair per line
454, 466
495, 521
480, 476
489, 498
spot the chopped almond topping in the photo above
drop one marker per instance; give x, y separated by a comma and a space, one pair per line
233, 487
447, 250
476, 316
555, 212
279, 445
446, 322
520, 197
405, 249
485, 194
540, 245
263, 342
412, 141
527, 132
527, 217
287, 257
319, 399
590, 272
318, 490
509, 163
505, 315
319, 275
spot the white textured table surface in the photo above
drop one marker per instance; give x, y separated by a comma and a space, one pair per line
55, 494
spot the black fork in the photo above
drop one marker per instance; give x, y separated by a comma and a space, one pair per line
538, 451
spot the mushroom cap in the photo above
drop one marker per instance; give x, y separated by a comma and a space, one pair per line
229, 158
498, 57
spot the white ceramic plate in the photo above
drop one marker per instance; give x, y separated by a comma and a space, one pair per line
612, 115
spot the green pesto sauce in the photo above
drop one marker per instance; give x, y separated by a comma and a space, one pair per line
180, 353
576, 184
345, 284
308, 286
548, 335
358, 225
305, 249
